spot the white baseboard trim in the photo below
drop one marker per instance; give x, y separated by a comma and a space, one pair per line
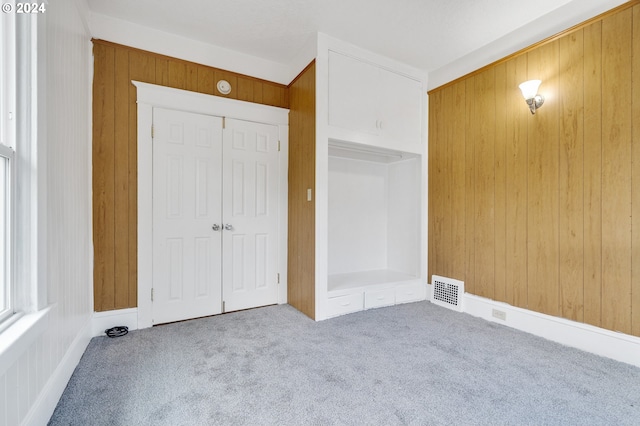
618, 346
120, 317
45, 404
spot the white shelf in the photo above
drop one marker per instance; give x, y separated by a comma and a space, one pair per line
367, 279
342, 149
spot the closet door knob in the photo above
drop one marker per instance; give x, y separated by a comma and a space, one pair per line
228, 227
215, 227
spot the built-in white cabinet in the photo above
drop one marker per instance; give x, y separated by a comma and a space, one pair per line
369, 189
373, 105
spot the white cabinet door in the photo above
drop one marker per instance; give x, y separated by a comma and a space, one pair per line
352, 94
187, 190
400, 103
250, 215
375, 105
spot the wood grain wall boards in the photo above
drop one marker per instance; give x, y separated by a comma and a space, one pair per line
469, 184
616, 171
115, 152
301, 236
557, 230
121, 180
434, 109
516, 185
499, 287
543, 166
484, 100
571, 176
442, 167
635, 177
457, 179
592, 36
103, 159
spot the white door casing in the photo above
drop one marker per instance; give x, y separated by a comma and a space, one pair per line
187, 194
151, 96
250, 200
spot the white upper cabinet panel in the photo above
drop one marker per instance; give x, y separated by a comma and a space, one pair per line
372, 105
352, 94
400, 109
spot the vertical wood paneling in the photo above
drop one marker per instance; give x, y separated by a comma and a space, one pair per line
616, 171
103, 177
485, 119
162, 71
470, 167
121, 180
115, 154
205, 80
593, 173
458, 182
435, 111
500, 290
443, 202
516, 185
550, 202
274, 94
635, 177
245, 89
301, 238
191, 77
571, 177
542, 229
176, 74
257, 92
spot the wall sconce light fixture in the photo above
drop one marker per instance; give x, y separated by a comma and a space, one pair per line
530, 92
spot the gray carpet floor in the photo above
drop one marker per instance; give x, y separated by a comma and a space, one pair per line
416, 364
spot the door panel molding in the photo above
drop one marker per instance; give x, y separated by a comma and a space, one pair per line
187, 251
250, 204
151, 96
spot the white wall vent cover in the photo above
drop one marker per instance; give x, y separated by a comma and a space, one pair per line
447, 292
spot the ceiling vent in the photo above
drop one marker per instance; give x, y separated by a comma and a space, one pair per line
447, 292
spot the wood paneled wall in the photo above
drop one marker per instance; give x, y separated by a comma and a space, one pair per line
543, 211
302, 170
115, 152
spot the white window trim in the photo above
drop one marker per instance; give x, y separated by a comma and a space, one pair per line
7, 147
8, 248
26, 100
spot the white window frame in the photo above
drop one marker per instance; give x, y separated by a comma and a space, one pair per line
7, 153
22, 73
7, 246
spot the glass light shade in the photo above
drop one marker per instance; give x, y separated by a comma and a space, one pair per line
530, 88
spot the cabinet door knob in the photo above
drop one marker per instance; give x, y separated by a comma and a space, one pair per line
215, 227
228, 227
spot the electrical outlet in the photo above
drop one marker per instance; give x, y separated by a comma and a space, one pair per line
501, 315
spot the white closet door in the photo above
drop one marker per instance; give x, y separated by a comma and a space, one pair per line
187, 194
250, 211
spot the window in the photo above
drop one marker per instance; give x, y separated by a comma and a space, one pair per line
7, 161
6, 246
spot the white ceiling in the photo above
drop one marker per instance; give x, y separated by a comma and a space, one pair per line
426, 34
